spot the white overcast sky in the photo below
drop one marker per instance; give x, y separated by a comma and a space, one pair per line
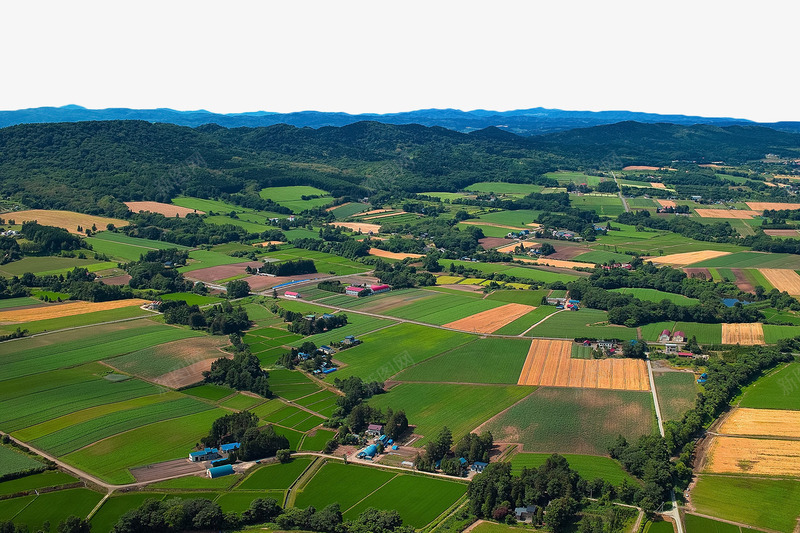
699, 57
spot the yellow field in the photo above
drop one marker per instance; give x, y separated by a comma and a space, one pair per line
549, 365
168, 210
657, 185
560, 263
448, 280
491, 320
331, 208
67, 309
725, 213
374, 212
69, 220
667, 203
783, 279
687, 258
641, 167
363, 227
267, 243
740, 455
509, 248
392, 255
385, 215
762, 423
761, 206
745, 334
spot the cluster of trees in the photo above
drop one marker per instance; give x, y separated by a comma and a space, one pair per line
78, 283
717, 232
9, 250
331, 286
305, 327
237, 288
287, 268
221, 319
242, 427
349, 248
191, 230
649, 460
71, 524
157, 269
329, 520
400, 275
243, 372
475, 447
50, 239
472, 448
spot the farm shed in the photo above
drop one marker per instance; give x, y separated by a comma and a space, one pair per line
368, 452
204, 455
380, 288
292, 294
353, 291
327, 350
478, 466
227, 448
219, 471
671, 348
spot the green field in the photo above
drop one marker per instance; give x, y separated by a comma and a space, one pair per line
461, 408
519, 218
316, 443
206, 258
345, 484
442, 308
661, 526
705, 333
241, 402
601, 256
572, 324
111, 458
566, 176
276, 476
533, 298
653, 295
291, 197
12, 460
773, 334
701, 524
768, 503
124, 247
357, 325
10, 303
54, 507
524, 323
417, 499
522, 272
388, 351
349, 210
521, 189
602, 205
561, 420
191, 298
35, 355
774, 390
488, 360
209, 392
50, 478
40, 265
325, 262
752, 260
676, 391
590, 467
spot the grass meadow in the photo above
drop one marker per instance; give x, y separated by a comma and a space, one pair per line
291, 197
676, 393
774, 390
752, 260
588, 466
275, 476
654, 295
74, 321
701, 524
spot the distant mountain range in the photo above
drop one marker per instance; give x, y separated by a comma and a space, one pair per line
526, 122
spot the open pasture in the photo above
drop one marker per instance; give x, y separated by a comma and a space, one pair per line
738, 455
275, 476
418, 499
65, 309
766, 503
519, 219
347, 210
12, 461
42, 265
570, 420
584, 323
701, 524
69, 220
315, 441
23, 301
459, 407
602, 205
777, 390
654, 295
205, 259
111, 459
388, 351
443, 308
168, 210
762, 423
291, 197
496, 187
549, 363
487, 360
526, 297
676, 393
773, 333
491, 320
745, 334
783, 280
588, 466
113, 508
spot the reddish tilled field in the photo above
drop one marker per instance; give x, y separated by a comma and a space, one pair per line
215, 273
168, 210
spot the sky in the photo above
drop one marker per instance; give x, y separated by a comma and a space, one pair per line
700, 57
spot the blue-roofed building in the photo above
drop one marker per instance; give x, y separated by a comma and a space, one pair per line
462, 461
219, 471
478, 466
327, 315
327, 350
368, 453
204, 455
228, 448
329, 370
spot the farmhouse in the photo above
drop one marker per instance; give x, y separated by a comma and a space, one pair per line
606, 345
206, 454
678, 336
353, 291
219, 471
523, 514
374, 430
350, 340
292, 294
556, 301
664, 337
327, 350
478, 466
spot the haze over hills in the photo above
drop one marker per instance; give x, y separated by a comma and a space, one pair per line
526, 122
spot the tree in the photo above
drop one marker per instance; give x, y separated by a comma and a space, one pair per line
546, 249
73, 524
283, 456
559, 513
237, 289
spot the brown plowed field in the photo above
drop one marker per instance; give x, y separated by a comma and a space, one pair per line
762, 423
511, 247
686, 258
363, 227
657, 185
391, 255
742, 282
122, 279
168, 210
782, 232
258, 283
725, 213
491, 320
783, 279
549, 364
493, 242
211, 274
761, 206
697, 272
746, 334
666, 203
67, 309
188, 375
741, 455
69, 220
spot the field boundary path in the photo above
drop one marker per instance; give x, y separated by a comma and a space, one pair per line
675, 512
542, 320
624, 204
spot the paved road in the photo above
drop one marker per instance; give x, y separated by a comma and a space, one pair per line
675, 512
624, 201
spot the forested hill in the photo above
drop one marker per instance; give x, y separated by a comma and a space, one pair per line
93, 166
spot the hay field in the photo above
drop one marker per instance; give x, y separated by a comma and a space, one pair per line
725, 213
761, 206
746, 334
511, 247
762, 422
363, 227
559, 263
666, 203
657, 185
392, 255
168, 210
63, 310
686, 258
549, 363
782, 279
491, 320
742, 455
69, 220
